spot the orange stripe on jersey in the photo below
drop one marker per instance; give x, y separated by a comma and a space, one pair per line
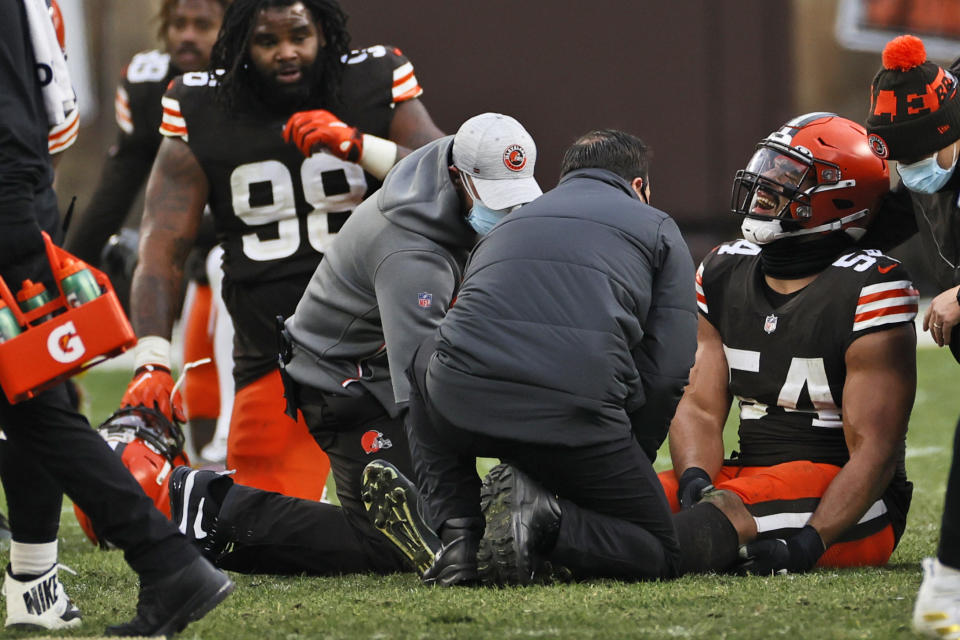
121, 98
892, 293
64, 135
71, 130
60, 146
173, 123
170, 130
121, 109
399, 81
409, 95
698, 285
405, 85
885, 311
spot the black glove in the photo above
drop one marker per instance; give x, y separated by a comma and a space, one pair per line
796, 554
693, 483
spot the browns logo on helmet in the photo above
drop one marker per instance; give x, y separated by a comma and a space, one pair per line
150, 446
816, 174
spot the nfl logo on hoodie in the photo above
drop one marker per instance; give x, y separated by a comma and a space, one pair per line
425, 300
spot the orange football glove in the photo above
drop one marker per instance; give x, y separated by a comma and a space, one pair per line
151, 387
308, 129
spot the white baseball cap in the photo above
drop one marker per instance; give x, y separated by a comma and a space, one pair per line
499, 156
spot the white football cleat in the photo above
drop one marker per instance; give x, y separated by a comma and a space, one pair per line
937, 610
40, 602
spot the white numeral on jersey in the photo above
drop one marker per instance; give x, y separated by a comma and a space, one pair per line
803, 372
150, 66
809, 372
742, 359
264, 194
356, 57
311, 175
858, 261
271, 178
740, 248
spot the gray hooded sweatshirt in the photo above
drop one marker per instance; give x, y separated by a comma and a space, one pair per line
385, 284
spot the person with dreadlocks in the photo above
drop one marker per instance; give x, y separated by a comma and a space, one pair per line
275, 211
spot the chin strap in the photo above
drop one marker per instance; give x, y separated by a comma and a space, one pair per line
835, 225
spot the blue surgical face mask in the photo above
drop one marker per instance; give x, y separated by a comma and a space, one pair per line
482, 218
926, 176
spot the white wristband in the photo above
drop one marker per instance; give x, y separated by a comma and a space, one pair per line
379, 155
151, 350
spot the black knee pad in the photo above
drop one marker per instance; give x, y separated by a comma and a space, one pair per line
708, 540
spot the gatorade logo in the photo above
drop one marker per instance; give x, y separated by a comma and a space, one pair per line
64, 344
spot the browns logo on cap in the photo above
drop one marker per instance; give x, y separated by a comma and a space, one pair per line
514, 158
878, 146
499, 156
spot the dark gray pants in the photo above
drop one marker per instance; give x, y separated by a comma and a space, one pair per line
274, 533
615, 521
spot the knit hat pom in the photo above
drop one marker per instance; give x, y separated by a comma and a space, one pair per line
904, 53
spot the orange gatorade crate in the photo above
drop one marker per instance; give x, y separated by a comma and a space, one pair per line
58, 337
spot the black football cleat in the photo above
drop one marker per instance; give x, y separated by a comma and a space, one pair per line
392, 504
522, 524
166, 606
195, 499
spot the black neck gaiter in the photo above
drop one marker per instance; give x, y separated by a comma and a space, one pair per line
799, 257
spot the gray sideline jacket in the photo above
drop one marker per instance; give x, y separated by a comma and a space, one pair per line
385, 283
576, 320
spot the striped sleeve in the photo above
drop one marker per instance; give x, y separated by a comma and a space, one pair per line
886, 303
121, 108
405, 84
64, 134
172, 125
701, 298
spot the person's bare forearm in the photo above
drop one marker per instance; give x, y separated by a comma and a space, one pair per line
853, 491
176, 194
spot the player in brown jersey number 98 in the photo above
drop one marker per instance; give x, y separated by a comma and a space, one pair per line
275, 211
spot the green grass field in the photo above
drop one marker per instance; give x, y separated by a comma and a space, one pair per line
869, 603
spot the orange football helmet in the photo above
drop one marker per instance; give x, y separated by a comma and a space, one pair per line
150, 446
816, 174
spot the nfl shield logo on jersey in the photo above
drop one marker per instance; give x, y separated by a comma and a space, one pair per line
770, 324
425, 300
